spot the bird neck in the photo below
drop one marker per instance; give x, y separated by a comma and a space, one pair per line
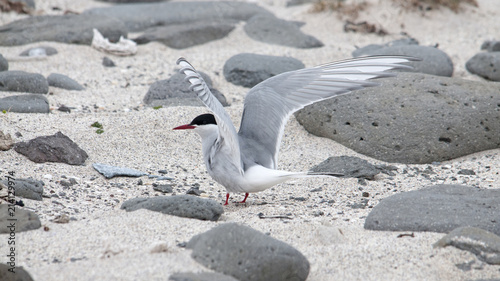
209, 135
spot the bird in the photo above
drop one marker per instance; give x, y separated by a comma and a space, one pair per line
246, 161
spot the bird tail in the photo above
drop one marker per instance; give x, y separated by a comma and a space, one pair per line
314, 174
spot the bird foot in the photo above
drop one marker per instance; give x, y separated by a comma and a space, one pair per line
244, 200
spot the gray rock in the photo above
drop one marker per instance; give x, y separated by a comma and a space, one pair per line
4, 64
482, 243
164, 188
291, 3
138, 17
403, 42
23, 220
367, 50
195, 190
412, 118
27, 188
20, 81
491, 46
113, 171
248, 254
248, 70
75, 29
486, 65
185, 206
181, 36
202, 276
19, 275
371, 48
6, 141
467, 172
175, 92
29, 3
130, 1
25, 104
39, 51
439, 208
55, 148
434, 61
349, 167
269, 29
107, 62
64, 82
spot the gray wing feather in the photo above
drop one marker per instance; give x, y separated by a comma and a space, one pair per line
227, 131
269, 104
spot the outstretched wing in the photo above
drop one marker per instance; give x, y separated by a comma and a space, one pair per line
227, 131
269, 104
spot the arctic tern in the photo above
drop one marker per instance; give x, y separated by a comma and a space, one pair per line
246, 161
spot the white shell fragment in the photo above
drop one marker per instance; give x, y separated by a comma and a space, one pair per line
124, 47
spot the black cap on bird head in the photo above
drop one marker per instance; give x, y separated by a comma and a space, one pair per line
204, 119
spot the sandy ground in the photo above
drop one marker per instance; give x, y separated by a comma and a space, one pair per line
102, 242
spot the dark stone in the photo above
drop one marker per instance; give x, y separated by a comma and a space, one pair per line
68, 183
25, 219
25, 104
164, 188
39, 51
248, 254
113, 171
202, 276
28, 3
371, 48
107, 62
412, 118
27, 188
130, 1
348, 166
468, 172
486, 65
55, 148
484, 244
64, 108
4, 64
434, 61
181, 36
185, 206
439, 208
248, 70
491, 46
291, 3
20, 81
175, 92
138, 17
269, 29
75, 29
64, 82
19, 275
366, 50
195, 190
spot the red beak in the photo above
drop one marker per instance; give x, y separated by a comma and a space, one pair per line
184, 127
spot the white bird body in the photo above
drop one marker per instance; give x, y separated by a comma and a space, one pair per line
246, 161
222, 169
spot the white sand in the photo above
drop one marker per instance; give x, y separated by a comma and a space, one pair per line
110, 244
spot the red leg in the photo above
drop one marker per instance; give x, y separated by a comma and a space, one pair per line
227, 198
244, 200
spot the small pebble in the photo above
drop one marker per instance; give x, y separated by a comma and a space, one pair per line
107, 62
165, 188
